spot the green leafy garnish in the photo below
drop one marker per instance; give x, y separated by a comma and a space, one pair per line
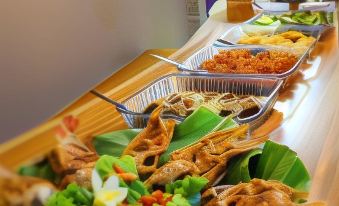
73, 195
178, 200
189, 188
136, 188
104, 165
114, 143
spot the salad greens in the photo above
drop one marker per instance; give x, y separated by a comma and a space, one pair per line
189, 188
183, 192
301, 17
104, 165
105, 168
274, 162
178, 200
73, 195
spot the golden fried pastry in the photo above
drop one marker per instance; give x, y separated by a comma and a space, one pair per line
172, 171
18, 190
209, 156
292, 35
256, 192
292, 39
151, 142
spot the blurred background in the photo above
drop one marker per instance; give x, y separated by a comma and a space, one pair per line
54, 51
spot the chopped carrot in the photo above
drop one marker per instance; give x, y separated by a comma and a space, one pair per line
128, 177
158, 194
118, 169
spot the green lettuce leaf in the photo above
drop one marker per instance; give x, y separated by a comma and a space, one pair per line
189, 188
136, 188
178, 200
104, 165
114, 143
73, 195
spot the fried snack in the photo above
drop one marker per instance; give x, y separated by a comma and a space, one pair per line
210, 155
272, 123
241, 61
172, 171
71, 159
66, 159
185, 103
292, 35
256, 192
292, 39
26, 191
151, 142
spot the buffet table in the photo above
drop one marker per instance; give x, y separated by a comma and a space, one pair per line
309, 102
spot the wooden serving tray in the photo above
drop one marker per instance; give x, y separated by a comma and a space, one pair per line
309, 103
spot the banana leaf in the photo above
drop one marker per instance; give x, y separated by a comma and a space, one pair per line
240, 169
276, 162
114, 143
42, 170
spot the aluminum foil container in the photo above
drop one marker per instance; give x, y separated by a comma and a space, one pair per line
267, 89
194, 61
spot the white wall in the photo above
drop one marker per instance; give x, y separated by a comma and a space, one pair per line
52, 51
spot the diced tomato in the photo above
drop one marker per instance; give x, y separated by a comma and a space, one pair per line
158, 194
148, 200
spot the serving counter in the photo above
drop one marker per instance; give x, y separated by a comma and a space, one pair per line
308, 101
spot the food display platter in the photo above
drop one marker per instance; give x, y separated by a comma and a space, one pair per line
175, 83
308, 103
194, 62
232, 36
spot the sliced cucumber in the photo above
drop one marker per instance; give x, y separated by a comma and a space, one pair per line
264, 20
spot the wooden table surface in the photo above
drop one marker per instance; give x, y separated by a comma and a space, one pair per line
309, 103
